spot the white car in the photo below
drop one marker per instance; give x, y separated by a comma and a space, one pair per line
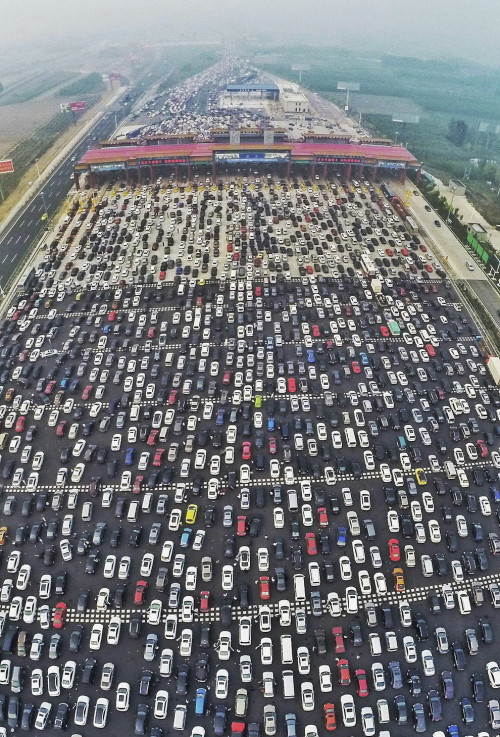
166, 662
147, 563
227, 578
279, 518
161, 704
428, 663
348, 710
266, 651
114, 628
358, 550
334, 604
325, 679
345, 568
263, 559
307, 695
96, 636
410, 649
351, 600
186, 643
393, 520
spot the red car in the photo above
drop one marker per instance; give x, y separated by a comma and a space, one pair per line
309, 269
389, 251
356, 367
86, 392
226, 379
61, 428
140, 592
112, 316
423, 247
151, 333
405, 252
21, 421
264, 587
136, 489
152, 437
292, 385
59, 615
430, 349
311, 544
482, 448
316, 331
329, 715
163, 274
158, 456
362, 684
272, 446
50, 388
428, 268
241, 528
323, 518
385, 331
172, 397
338, 638
246, 450
344, 674
258, 291
394, 551
204, 601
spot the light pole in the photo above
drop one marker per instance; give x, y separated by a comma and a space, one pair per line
42, 193
453, 190
37, 168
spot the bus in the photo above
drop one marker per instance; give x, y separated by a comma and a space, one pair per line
394, 327
412, 226
368, 266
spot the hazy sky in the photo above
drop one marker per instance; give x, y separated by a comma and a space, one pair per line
460, 28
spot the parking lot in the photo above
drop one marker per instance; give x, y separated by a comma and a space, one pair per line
240, 430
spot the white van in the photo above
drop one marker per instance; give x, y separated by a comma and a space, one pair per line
162, 435
383, 711
288, 684
293, 500
286, 649
169, 359
133, 511
450, 469
299, 587
350, 437
180, 717
147, 502
134, 412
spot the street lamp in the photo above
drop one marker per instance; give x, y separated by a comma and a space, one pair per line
37, 167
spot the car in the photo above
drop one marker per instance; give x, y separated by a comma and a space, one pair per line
348, 710
493, 672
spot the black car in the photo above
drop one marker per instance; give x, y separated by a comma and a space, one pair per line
320, 641
478, 687
182, 679
60, 583
447, 685
135, 626
486, 631
435, 706
401, 709
145, 682
414, 681
202, 668
220, 718
395, 675
75, 639
27, 717
61, 717
88, 673
141, 718
421, 628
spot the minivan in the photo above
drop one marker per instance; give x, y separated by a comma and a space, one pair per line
288, 685
133, 511
286, 649
180, 717
299, 587
350, 437
293, 501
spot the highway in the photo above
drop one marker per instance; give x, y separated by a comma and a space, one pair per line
29, 226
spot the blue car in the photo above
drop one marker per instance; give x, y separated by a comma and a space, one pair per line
341, 537
271, 424
453, 730
364, 359
64, 383
129, 457
201, 697
219, 417
495, 494
186, 537
106, 328
310, 356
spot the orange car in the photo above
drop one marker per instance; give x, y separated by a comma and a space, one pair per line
399, 581
329, 714
3, 535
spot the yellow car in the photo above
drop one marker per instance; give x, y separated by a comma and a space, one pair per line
191, 513
399, 581
258, 401
3, 535
420, 476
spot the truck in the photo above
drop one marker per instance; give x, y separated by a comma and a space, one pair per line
394, 327
376, 286
368, 266
493, 363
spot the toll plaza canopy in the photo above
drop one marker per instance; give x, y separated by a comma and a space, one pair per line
189, 154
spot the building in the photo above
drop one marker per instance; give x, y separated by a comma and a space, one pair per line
477, 232
293, 100
457, 187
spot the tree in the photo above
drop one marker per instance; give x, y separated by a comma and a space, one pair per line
457, 132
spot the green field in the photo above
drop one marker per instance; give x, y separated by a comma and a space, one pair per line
441, 91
